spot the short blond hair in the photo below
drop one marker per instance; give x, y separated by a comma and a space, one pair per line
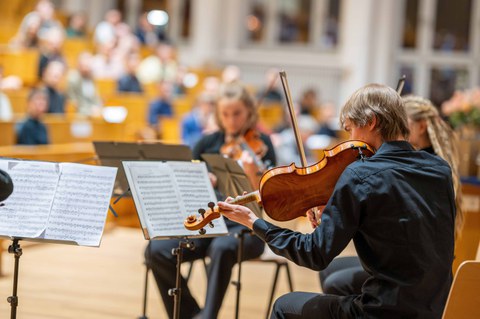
381, 102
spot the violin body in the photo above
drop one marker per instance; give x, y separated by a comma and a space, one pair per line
288, 192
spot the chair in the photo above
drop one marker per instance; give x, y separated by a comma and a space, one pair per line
463, 300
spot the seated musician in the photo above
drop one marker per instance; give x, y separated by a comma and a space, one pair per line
236, 113
398, 206
430, 133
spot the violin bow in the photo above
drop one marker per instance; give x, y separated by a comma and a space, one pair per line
286, 89
400, 84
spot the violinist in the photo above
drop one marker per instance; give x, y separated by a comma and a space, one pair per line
387, 205
236, 117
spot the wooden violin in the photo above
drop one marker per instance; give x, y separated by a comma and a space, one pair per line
249, 142
288, 192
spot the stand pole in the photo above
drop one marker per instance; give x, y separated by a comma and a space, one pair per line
177, 291
14, 249
237, 284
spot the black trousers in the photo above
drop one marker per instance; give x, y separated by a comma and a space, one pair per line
344, 276
308, 305
223, 256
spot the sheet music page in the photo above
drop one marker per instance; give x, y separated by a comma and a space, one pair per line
162, 192
26, 211
81, 203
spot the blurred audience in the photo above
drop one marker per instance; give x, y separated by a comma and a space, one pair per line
107, 63
147, 33
81, 87
309, 102
271, 91
231, 73
52, 79
31, 131
129, 82
326, 117
196, 121
162, 105
105, 31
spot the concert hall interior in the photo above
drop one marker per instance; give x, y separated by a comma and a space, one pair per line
96, 83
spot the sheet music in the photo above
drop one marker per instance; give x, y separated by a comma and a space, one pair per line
57, 202
26, 211
81, 203
165, 193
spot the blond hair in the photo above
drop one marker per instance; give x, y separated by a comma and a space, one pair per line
443, 140
381, 102
235, 91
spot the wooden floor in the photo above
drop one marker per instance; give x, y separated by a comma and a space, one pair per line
61, 281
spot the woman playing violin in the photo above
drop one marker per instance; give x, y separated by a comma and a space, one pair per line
236, 115
397, 206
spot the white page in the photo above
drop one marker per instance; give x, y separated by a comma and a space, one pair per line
26, 211
81, 203
162, 191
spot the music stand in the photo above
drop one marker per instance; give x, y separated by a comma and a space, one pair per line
232, 181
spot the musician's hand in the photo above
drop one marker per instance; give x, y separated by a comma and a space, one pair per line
314, 216
213, 179
238, 213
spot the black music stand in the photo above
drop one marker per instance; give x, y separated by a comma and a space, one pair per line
232, 181
112, 154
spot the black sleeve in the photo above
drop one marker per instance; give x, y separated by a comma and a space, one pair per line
6, 186
270, 159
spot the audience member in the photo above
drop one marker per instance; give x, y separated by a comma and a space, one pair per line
129, 81
161, 66
52, 79
42, 19
231, 73
27, 37
147, 33
105, 31
51, 49
5, 106
81, 88
32, 131
162, 105
196, 121
271, 92
77, 25
309, 103
107, 64
325, 117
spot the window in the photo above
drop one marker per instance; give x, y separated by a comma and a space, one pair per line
312, 23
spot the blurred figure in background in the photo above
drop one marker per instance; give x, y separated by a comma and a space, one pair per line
42, 19
51, 49
325, 117
195, 122
162, 105
129, 82
309, 102
231, 73
32, 131
105, 31
161, 66
270, 92
77, 25
81, 88
6, 113
107, 64
147, 33
52, 79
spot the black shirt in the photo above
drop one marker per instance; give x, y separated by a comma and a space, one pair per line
398, 207
32, 132
56, 101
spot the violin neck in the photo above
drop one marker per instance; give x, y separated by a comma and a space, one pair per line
247, 198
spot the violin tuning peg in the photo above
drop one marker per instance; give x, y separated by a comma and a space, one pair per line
210, 224
202, 231
201, 211
211, 205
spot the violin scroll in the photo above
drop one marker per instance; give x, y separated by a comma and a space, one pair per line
193, 222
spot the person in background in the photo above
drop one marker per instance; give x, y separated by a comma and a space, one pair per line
195, 122
161, 66
147, 33
105, 31
51, 49
162, 105
235, 114
325, 115
52, 79
429, 133
129, 82
81, 88
270, 93
6, 113
309, 103
402, 230
77, 25
32, 131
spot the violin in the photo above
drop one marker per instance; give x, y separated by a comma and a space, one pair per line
250, 142
311, 186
